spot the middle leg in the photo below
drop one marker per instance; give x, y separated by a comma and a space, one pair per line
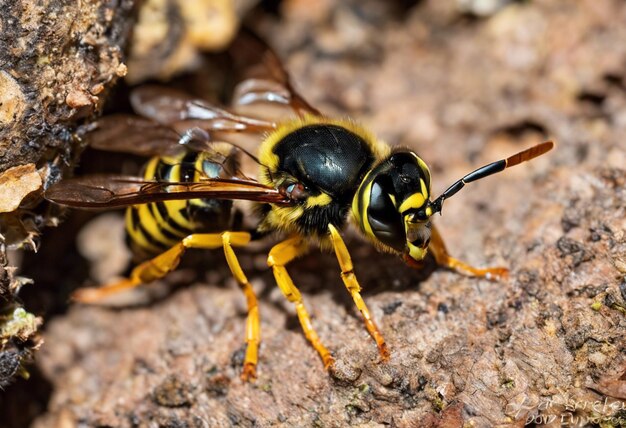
281, 254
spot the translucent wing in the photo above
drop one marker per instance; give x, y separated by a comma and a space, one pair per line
106, 191
265, 77
170, 107
132, 134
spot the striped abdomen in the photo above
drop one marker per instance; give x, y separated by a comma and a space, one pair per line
155, 227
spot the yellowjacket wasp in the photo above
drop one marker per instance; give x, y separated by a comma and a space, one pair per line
316, 174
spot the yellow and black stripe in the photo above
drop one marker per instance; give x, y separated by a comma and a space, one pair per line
156, 226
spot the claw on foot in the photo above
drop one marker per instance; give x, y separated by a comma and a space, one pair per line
496, 273
248, 374
329, 362
383, 350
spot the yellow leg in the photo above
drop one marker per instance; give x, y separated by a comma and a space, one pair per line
160, 265
351, 283
252, 322
281, 254
439, 251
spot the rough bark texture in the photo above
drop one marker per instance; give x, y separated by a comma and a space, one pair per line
546, 345
58, 59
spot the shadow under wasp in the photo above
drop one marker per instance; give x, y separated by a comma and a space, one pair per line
315, 175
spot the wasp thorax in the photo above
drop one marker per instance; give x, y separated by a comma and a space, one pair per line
391, 205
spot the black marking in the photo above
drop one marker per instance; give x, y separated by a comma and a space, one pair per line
163, 172
188, 167
134, 217
315, 220
326, 158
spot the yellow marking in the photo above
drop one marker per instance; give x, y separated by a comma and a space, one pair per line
417, 253
424, 168
136, 235
416, 200
363, 197
365, 223
353, 287
174, 173
284, 218
174, 211
393, 199
151, 166
319, 200
424, 188
151, 225
429, 211
164, 224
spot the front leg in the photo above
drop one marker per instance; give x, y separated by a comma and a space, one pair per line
351, 283
439, 251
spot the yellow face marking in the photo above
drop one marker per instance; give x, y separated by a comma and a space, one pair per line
417, 253
429, 211
319, 200
416, 200
363, 220
424, 167
424, 189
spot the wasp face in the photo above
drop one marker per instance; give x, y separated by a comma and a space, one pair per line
392, 205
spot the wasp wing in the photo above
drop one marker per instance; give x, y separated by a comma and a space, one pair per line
171, 107
144, 137
106, 191
132, 134
264, 78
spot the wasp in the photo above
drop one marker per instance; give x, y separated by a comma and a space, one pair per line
316, 174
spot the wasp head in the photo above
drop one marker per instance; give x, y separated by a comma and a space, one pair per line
392, 205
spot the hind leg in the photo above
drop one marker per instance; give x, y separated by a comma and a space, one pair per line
167, 261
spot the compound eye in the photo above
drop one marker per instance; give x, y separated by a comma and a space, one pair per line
296, 192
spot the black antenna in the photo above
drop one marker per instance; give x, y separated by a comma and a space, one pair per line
492, 168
